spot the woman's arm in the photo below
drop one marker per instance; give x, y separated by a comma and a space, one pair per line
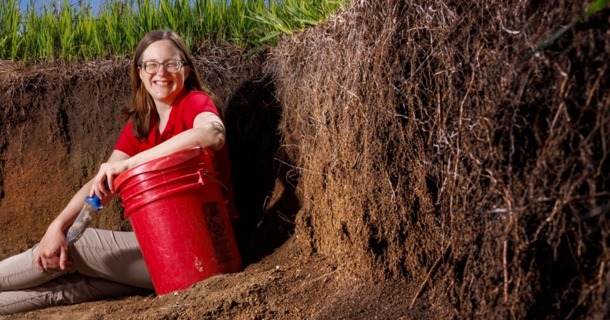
52, 250
208, 131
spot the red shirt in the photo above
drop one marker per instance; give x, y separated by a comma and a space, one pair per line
182, 115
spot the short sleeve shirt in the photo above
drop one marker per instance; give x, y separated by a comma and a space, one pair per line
182, 116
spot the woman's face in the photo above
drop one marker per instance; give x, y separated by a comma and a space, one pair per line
163, 85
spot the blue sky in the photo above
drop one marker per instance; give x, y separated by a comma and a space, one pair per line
95, 4
39, 4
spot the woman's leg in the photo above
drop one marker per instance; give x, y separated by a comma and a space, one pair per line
105, 264
19, 272
111, 255
68, 289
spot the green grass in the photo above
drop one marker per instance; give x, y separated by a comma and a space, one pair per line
61, 30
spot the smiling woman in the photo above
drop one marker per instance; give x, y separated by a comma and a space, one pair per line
169, 111
160, 74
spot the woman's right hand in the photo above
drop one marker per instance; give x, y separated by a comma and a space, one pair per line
103, 183
52, 250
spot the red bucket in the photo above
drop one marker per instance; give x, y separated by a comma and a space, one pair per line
177, 207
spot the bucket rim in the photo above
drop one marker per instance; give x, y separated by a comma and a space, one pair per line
161, 163
137, 205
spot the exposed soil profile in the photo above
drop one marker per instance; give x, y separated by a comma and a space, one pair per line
394, 162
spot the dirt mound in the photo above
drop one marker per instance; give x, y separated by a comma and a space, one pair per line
395, 162
426, 151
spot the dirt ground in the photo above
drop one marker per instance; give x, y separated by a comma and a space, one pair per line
282, 286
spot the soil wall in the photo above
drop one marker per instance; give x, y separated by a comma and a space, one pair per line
428, 151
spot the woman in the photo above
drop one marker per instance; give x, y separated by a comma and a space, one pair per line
169, 111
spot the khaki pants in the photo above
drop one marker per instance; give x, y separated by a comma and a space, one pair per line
105, 264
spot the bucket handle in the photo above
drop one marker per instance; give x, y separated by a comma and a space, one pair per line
225, 194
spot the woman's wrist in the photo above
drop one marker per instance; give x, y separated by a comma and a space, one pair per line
58, 226
132, 162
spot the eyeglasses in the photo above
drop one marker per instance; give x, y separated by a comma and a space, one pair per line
171, 66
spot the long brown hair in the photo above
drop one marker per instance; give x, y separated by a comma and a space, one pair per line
141, 110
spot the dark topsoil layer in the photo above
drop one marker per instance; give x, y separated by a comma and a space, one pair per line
395, 162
